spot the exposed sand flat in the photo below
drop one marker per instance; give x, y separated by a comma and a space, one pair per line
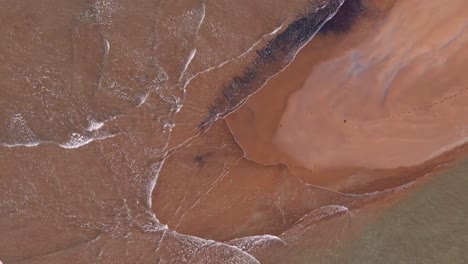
391, 93
398, 99
263, 110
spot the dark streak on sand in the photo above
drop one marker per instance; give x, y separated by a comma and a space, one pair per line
270, 60
201, 159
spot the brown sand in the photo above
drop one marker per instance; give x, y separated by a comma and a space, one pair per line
282, 177
89, 94
389, 103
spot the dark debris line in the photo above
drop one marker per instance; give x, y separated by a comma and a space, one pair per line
278, 52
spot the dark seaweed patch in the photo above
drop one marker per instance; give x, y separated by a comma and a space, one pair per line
344, 19
201, 159
266, 52
301, 30
276, 50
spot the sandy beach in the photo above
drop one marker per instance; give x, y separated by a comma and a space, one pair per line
307, 131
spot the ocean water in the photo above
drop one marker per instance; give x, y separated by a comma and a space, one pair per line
427, 226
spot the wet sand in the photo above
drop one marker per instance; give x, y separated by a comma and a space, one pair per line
142, 132
257, 127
